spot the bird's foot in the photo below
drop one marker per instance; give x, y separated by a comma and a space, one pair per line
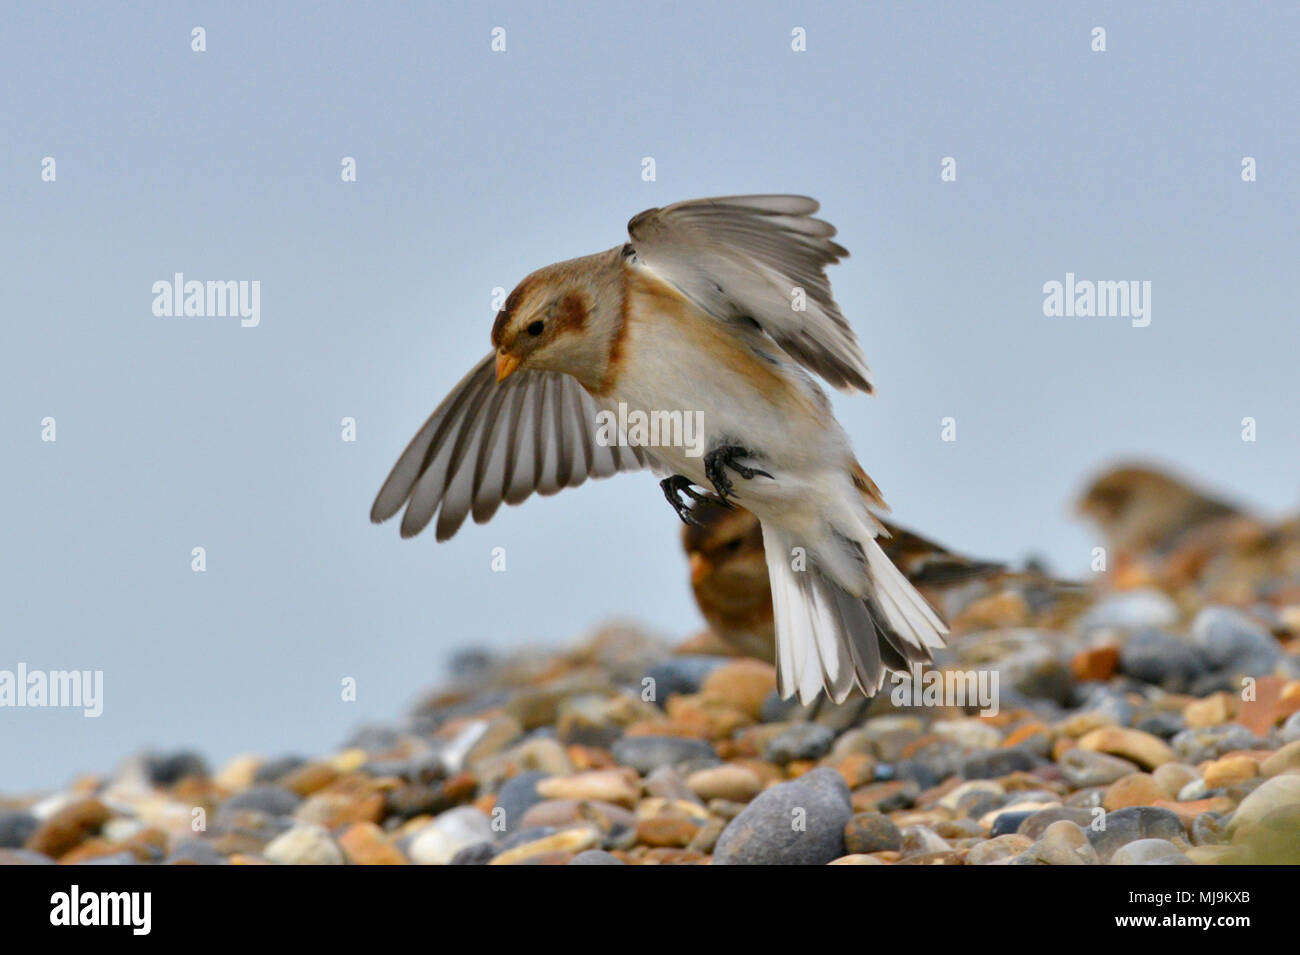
677, 484
719, 459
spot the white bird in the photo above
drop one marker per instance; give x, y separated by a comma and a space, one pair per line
717, 306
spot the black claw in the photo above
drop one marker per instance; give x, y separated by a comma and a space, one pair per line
719, 459
674, 485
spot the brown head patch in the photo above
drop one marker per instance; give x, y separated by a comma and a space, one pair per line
571, 313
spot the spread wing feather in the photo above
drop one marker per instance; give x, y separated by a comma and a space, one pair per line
490, 442
743, 259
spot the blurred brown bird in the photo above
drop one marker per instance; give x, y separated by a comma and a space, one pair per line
729, 575
1162, 531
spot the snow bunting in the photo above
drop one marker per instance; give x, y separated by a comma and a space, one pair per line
720, 308
1165, 532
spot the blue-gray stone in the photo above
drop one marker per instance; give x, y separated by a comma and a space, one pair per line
480, 853
1131, 610
799, 741
1131, 824
1230, 641
996, 763
167, 769
1008, 822
796, 823
519, 795
596, 857
272, 800
195, 851
1154, 656
277, 769
683, 674
15, 828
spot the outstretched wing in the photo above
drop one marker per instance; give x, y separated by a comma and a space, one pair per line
745, 258
490, 442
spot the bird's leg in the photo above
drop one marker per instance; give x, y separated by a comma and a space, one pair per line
678, 484
725, 456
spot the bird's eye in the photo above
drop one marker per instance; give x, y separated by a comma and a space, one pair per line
535, 329
732, 545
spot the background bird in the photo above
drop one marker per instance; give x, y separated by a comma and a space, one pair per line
1161, 531
721, 308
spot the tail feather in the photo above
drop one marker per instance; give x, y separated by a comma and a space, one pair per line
828, 638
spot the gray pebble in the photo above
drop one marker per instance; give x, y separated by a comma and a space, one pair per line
796, 823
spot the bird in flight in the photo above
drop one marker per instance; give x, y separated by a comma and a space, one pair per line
719, 308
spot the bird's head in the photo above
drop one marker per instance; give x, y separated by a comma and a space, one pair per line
725, 548
547, 324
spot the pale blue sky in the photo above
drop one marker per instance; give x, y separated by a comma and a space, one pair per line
475, 168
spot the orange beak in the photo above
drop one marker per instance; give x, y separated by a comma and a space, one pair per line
506, 365
699, 568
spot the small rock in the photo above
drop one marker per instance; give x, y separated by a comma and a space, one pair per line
16, 827
1136, 822
304, 845
1146, 852
872, 832
742, 684
729, 781
1138, 789
604, 785
568, 841
1083, 768
440, 840
364, 843
271, 800
993, 850
1280, 792
1038, 823
519, 795
997, 763
1142, 748
680, 675
1228, 770
920, 840
1172, 777
194, 852
480, 853
167, 769
1232, 642
645, 754
799, 741
1285, 760
68, 828
1063, 843
796, 823
596, 857
1131, 610
1162, 659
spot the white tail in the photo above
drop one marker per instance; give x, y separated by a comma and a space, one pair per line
826, 637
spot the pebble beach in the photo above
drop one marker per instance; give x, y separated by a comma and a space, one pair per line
1141, 731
